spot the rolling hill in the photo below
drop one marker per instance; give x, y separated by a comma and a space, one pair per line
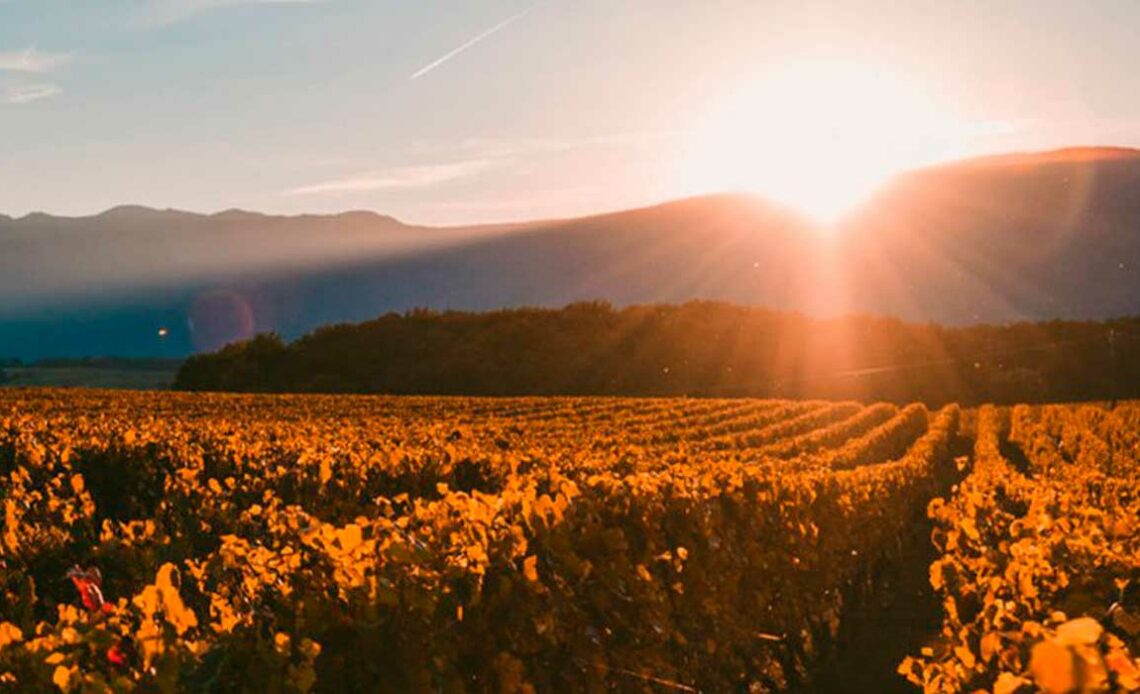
1023, 236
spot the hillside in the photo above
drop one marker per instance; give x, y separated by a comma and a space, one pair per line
1041, 236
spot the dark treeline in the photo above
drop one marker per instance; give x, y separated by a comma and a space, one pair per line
696, 349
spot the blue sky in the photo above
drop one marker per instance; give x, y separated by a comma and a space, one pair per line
557, 108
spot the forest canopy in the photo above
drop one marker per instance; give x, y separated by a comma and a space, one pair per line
705, 349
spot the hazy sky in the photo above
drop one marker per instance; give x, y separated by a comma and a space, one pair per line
449, 112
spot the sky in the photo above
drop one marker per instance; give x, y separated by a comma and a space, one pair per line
449, 112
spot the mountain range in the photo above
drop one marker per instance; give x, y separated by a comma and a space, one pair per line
996, 239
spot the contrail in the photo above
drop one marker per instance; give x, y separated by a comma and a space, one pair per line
490, 32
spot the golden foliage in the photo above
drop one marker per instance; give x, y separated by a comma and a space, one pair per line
299, 543
1025, 545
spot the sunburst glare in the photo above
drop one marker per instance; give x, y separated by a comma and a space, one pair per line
818, 136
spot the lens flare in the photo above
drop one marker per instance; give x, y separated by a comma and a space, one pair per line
219, 318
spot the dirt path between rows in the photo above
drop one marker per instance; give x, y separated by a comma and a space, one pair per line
901, 616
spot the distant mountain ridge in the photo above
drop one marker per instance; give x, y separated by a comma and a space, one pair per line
1065, 155
994, 239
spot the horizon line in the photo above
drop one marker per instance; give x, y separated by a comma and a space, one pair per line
1106, 152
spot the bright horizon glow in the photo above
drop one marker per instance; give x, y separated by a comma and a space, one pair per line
817, 136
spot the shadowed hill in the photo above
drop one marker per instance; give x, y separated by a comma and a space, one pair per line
1052, 235
1038, 236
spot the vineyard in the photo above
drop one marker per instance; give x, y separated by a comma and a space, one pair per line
174, 542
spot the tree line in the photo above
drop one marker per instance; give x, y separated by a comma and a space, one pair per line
705, 349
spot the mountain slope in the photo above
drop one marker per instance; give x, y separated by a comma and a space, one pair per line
1038, 236
1050, 235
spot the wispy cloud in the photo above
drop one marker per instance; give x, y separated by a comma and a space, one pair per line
471, 43
530, 148
398, 178
27, 93
32, 60
171, 11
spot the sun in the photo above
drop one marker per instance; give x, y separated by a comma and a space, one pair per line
819, 136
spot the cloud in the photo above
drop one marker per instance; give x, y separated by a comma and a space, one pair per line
27, 93
398, 178
32, 60
482, 153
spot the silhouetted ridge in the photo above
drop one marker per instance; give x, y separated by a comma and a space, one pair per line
1066, 155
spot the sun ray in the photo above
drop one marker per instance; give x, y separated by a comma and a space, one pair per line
819, 136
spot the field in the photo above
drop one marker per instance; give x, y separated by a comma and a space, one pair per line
88, 377
166, 542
